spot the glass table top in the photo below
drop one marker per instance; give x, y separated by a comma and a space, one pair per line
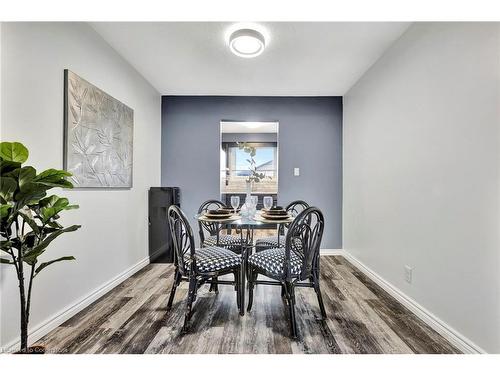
239, 220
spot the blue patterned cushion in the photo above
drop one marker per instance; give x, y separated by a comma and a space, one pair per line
272, 261
212, 259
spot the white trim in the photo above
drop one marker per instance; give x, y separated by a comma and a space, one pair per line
331, 252
57, 319
460, 341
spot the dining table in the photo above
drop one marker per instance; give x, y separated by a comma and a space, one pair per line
246, 224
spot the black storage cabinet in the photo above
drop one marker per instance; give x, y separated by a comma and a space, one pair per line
160, 241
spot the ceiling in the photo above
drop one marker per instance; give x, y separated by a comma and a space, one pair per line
300, 59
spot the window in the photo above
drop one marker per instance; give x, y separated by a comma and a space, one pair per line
235, 171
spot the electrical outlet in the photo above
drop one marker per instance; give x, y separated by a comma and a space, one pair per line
296, 171
408, 274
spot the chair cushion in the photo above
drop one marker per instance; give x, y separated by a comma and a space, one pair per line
225, 240
272, 261
270, 243
265, 243
213, 259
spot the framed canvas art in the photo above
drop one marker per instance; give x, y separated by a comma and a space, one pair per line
98, 136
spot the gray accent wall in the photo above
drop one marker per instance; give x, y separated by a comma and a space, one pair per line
310, 137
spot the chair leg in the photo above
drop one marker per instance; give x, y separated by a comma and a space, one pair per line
242, 288
191, 296
320, 297
177, 280
237, 288
251, 279
290, 293
213, 285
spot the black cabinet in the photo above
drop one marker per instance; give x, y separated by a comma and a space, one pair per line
160, 241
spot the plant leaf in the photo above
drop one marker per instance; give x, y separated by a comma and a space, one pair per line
6, 261
52, 176
8, 166
5, 245
13, 151
31, 256
24, 176
4, 210
30, 222
45, 264
31, 196
51, 206
8, 186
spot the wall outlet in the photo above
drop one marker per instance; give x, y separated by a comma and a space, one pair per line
408, 274
296, 171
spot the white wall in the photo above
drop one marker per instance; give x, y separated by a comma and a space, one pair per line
113, 236
421, 172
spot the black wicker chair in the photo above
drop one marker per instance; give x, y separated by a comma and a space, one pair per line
215, 238
295, 265
264, 243
198, 266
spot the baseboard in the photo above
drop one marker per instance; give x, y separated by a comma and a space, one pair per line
331, 252
449, 333
57, 319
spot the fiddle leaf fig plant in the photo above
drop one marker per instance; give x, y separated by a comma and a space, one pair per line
29, 220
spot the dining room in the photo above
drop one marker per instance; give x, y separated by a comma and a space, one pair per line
250, 188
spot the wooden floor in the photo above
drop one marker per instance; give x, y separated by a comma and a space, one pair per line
362, 318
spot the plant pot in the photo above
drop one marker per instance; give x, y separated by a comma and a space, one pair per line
35, 349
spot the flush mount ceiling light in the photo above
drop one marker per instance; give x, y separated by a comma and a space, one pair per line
247, 42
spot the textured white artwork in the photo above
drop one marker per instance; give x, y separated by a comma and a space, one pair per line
98, 133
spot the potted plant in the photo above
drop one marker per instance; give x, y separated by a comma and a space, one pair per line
29, 222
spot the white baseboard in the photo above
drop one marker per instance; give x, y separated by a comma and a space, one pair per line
57, 319
449, 333
331, 252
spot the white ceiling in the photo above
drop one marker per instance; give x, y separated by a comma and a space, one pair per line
301, 58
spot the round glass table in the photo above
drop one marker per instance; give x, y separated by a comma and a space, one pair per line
246, 225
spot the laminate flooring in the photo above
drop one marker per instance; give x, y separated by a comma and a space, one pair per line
132, 318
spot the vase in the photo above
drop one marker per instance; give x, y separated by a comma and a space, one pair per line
249, 190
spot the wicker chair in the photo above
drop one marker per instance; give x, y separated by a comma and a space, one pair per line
198, 266
295, 265
215, 238
264, 243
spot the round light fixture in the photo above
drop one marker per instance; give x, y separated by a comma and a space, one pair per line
247, 43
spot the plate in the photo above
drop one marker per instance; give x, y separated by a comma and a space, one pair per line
219, 218
228, 210
218, 215
274, 220
266, 215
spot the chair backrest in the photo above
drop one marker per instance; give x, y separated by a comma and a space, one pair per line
211, 227
296, 207
304, 240
182, 237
